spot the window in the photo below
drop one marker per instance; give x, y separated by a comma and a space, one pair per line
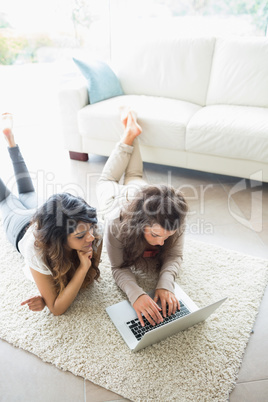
50, 30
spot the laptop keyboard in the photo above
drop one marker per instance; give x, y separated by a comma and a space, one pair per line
139, 331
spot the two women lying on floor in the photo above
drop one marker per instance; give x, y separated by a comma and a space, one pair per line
60, 240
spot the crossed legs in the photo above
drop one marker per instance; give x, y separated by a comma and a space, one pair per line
124, 160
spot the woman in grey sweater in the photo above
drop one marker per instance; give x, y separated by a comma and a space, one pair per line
143, 222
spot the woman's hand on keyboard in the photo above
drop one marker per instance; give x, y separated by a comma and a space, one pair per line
146, 306
167, 298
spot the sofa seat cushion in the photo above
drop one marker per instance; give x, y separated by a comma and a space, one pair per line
229, 131
163, 120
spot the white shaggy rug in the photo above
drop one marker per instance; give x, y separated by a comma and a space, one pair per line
199, 364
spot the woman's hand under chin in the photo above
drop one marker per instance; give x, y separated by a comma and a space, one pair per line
85, 258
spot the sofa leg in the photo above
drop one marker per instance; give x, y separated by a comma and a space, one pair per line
78, 156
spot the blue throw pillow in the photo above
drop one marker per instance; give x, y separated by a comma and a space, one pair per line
102, 81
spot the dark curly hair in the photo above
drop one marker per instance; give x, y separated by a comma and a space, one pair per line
154, 204
54, 221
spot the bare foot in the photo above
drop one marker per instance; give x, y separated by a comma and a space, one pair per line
124, 110
124, 113
9, 137
132, 129
7, 123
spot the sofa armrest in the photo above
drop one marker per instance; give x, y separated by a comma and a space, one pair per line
72, 97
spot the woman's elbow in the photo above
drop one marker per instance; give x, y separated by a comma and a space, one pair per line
56, 311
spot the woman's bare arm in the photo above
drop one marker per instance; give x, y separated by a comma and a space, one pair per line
58, 304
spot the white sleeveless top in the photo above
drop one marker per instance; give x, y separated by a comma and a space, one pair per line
31, 255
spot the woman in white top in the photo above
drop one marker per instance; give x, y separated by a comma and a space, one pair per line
58, 240
144, 223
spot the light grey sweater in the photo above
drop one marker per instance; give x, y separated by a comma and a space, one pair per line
125, 278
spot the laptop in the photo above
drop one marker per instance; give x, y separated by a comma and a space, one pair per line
137, 337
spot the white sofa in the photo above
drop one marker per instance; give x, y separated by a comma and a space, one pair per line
202, 104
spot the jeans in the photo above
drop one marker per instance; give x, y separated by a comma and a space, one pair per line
16, 212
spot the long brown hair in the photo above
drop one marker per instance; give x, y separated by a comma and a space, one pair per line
54, 221
159, 204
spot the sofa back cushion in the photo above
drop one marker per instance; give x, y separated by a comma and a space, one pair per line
239, 74
176, 68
